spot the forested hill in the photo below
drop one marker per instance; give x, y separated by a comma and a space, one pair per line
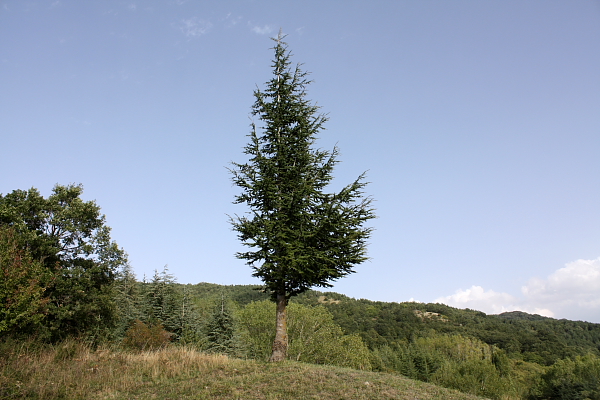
528, 337
520, 315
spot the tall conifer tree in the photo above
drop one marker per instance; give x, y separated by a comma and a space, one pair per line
300, 235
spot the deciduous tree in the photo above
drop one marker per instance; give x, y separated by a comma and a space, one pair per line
23, 282
69, 237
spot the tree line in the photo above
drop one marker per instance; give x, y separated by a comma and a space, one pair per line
63, 277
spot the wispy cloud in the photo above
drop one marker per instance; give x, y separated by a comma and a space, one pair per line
261, 30
195, 27
571, 292
231, 21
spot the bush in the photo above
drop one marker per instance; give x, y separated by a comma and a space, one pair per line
143, 337
313, 336
474, 376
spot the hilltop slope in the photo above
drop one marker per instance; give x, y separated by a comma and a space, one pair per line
75, 372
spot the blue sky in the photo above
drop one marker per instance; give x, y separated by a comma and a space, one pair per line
478, 123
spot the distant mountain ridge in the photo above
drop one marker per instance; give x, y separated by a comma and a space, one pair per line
521, 315
521, 335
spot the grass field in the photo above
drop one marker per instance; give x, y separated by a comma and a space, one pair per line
73, 371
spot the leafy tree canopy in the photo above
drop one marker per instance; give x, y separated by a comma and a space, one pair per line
71, 240
23, 282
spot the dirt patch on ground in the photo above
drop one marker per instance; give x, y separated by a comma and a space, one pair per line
423, 315
325, 300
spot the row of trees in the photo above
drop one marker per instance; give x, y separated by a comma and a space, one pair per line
463, 349
58, 283
161, 312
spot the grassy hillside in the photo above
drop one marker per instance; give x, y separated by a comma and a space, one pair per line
73, 371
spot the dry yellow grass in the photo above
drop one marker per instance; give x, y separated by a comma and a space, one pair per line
74, 371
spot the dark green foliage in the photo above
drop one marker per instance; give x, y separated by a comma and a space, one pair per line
220, 330
454, 361
163, 303
543, 341
522, 316
70, 239
302, 236
191, 320
129, 300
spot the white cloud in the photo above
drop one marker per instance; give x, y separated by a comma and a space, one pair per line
572, 292
262, 30
195, 27
581, 277
574, 289
478, 299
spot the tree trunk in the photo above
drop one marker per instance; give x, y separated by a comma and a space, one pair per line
280, 345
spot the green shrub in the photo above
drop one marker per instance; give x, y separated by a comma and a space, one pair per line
313, 336
475, 376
